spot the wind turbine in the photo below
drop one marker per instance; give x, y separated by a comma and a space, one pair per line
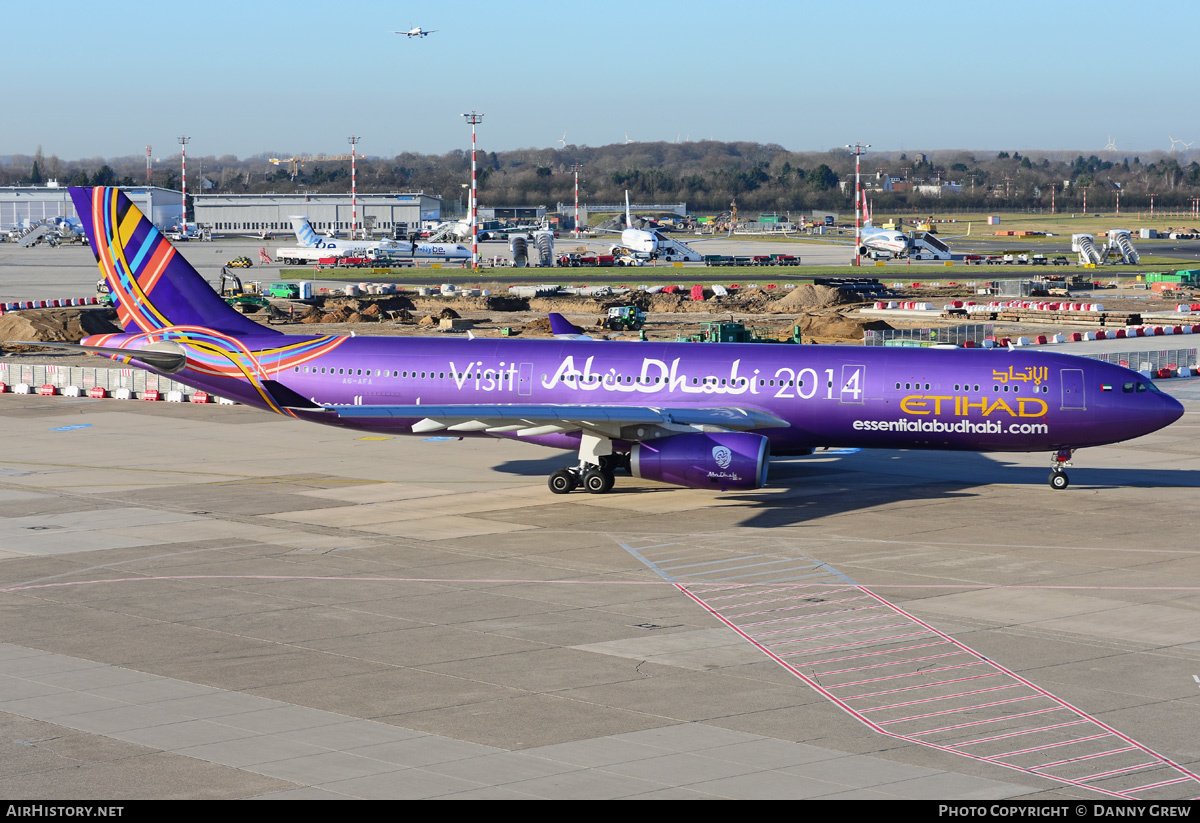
1111, 145
627, 140
562, 140
1180, 142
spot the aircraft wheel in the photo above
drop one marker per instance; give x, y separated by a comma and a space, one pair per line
1059, 480
562, 481
598, 481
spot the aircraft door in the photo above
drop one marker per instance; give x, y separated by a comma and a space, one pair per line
1074, 397
525, 380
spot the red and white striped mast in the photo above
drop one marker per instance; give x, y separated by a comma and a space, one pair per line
353, 187
575, 168
858, 147
474, 119
183, 141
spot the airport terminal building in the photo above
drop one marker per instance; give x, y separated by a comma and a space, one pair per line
37, 204
256, 213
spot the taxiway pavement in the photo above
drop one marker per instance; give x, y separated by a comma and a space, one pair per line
204, 601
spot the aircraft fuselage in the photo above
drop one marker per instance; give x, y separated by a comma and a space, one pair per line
959, 399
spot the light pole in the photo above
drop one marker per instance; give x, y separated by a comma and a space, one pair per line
353, 186
474, 119
858, 147
575, 168
183, 141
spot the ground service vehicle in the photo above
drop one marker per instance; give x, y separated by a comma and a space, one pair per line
625, 318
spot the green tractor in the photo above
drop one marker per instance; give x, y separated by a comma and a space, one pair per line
625, 318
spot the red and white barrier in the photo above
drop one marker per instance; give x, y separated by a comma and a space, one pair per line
18, 305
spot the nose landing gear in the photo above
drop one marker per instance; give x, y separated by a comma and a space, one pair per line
1058, 477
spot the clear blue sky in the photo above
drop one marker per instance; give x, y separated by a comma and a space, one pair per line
88, 79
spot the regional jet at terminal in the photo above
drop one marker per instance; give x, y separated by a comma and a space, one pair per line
703, 416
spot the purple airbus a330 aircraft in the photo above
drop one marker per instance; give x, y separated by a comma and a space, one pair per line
703, 416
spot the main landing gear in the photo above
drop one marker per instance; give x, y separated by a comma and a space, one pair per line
596, 479
597, 464
1058, 477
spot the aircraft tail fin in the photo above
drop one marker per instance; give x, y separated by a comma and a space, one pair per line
564, 329
866, 210
151, 285
628, 214
306, 235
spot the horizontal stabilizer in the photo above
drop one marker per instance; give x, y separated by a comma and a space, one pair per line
164, 361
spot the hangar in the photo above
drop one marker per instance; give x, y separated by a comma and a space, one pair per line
257, 213
41, 203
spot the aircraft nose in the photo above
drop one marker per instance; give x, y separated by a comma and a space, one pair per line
1171, 411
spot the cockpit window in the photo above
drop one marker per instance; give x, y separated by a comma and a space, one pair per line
1154, 388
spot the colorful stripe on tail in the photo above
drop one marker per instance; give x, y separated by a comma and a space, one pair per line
152, 286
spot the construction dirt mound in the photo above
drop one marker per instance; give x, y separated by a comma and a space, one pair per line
808, 298
828, 327
55, 326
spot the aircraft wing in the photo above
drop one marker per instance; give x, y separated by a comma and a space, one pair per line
618, 422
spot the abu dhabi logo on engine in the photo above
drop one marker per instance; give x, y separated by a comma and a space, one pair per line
723, 456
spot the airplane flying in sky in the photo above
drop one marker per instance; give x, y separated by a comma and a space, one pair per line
307, 236
416, 31
702, 416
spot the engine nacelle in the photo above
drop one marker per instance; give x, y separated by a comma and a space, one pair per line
721, 460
